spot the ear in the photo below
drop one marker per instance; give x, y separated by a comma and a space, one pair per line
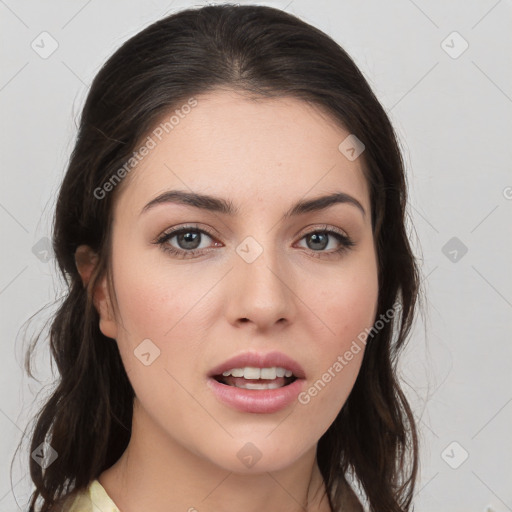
86, 260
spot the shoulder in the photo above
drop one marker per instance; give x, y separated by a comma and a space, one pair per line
91, 499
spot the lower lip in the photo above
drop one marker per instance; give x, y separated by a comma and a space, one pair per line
262, 401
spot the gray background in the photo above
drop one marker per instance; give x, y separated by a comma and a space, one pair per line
452, 110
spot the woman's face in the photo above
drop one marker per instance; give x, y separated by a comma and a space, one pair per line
254, 281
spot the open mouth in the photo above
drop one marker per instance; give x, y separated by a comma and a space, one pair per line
256, 378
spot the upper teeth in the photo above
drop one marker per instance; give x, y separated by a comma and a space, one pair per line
250, 372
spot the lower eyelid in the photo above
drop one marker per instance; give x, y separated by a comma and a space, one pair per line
344, 240
164, 239
168, 236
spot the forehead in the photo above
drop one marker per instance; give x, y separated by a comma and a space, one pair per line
250, 150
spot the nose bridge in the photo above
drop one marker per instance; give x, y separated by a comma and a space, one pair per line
262, 292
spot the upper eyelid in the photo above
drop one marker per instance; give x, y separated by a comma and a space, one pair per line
172, 232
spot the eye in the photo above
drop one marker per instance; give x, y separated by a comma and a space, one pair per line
188, 239
320, 239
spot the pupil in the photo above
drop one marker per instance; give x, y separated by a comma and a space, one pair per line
318, 236
190, 240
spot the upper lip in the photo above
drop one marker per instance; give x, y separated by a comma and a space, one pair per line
258, 360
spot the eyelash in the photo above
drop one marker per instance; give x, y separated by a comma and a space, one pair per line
345, 241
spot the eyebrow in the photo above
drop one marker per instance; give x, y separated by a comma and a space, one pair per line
226, 207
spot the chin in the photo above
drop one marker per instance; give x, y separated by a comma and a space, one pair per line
257, 455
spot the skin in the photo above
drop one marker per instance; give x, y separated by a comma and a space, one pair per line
264, 156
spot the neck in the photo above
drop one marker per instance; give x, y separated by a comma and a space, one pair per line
156, 472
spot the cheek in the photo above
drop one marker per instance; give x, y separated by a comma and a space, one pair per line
168, 306
346, 313
347, 302
348, 309
153, 300
161, 326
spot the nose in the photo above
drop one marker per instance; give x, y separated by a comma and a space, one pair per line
260, 291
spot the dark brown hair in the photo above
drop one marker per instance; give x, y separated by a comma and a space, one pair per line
268, 53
